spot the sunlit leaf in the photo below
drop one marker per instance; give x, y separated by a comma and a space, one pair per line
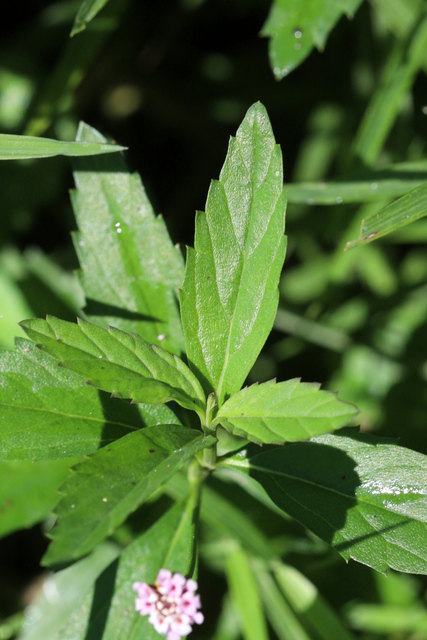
363, 495
115, 361
392, 182
403, 211
107, 607
283, 412
13, 147
229, 297
130, 269
296, 27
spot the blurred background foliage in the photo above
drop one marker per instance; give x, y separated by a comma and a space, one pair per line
171, 80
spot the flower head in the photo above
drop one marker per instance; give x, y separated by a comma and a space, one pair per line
171, 603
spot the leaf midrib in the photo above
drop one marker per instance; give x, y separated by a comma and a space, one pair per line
355, 499
68, 415
242, 273
107, 360
335, 531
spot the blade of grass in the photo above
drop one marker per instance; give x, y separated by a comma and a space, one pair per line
245, 596
403, 211
281, 617
398, 76
305, 599
392, 182
86, 13
13, 147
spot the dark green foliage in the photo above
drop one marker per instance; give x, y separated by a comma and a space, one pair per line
127, 487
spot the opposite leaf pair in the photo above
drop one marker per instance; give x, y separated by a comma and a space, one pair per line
228, 304
364, 496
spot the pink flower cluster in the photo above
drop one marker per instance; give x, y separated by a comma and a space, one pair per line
171, 603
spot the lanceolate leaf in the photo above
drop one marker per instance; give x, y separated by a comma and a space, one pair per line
87, 11
13, 147
296, 27
110, 485
229, 297
169, 543
47, 413
244, 594
396, 215
114, 361
131, 271
363, 495
391, 182
283, 412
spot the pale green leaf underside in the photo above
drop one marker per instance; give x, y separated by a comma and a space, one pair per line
115, 361
229, 297
365, 498
273, 413
130, 270
48, 617
14, 147
87, 11
296, 27
47, 413
407, 209
392, 182
110, 485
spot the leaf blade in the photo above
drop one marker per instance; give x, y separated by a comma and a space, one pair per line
409, 208
16, 147
244, 594
110, 485
309, 604
47, 413
130, 270
229, 297
361, 494
391, 182
274, 413
114, 361
87, 11
38, 482
295, 28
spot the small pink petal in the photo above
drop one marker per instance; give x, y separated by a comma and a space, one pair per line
198, 617
159, 622
191, 585
181, 624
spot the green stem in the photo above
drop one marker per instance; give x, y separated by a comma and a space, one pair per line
209, 455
